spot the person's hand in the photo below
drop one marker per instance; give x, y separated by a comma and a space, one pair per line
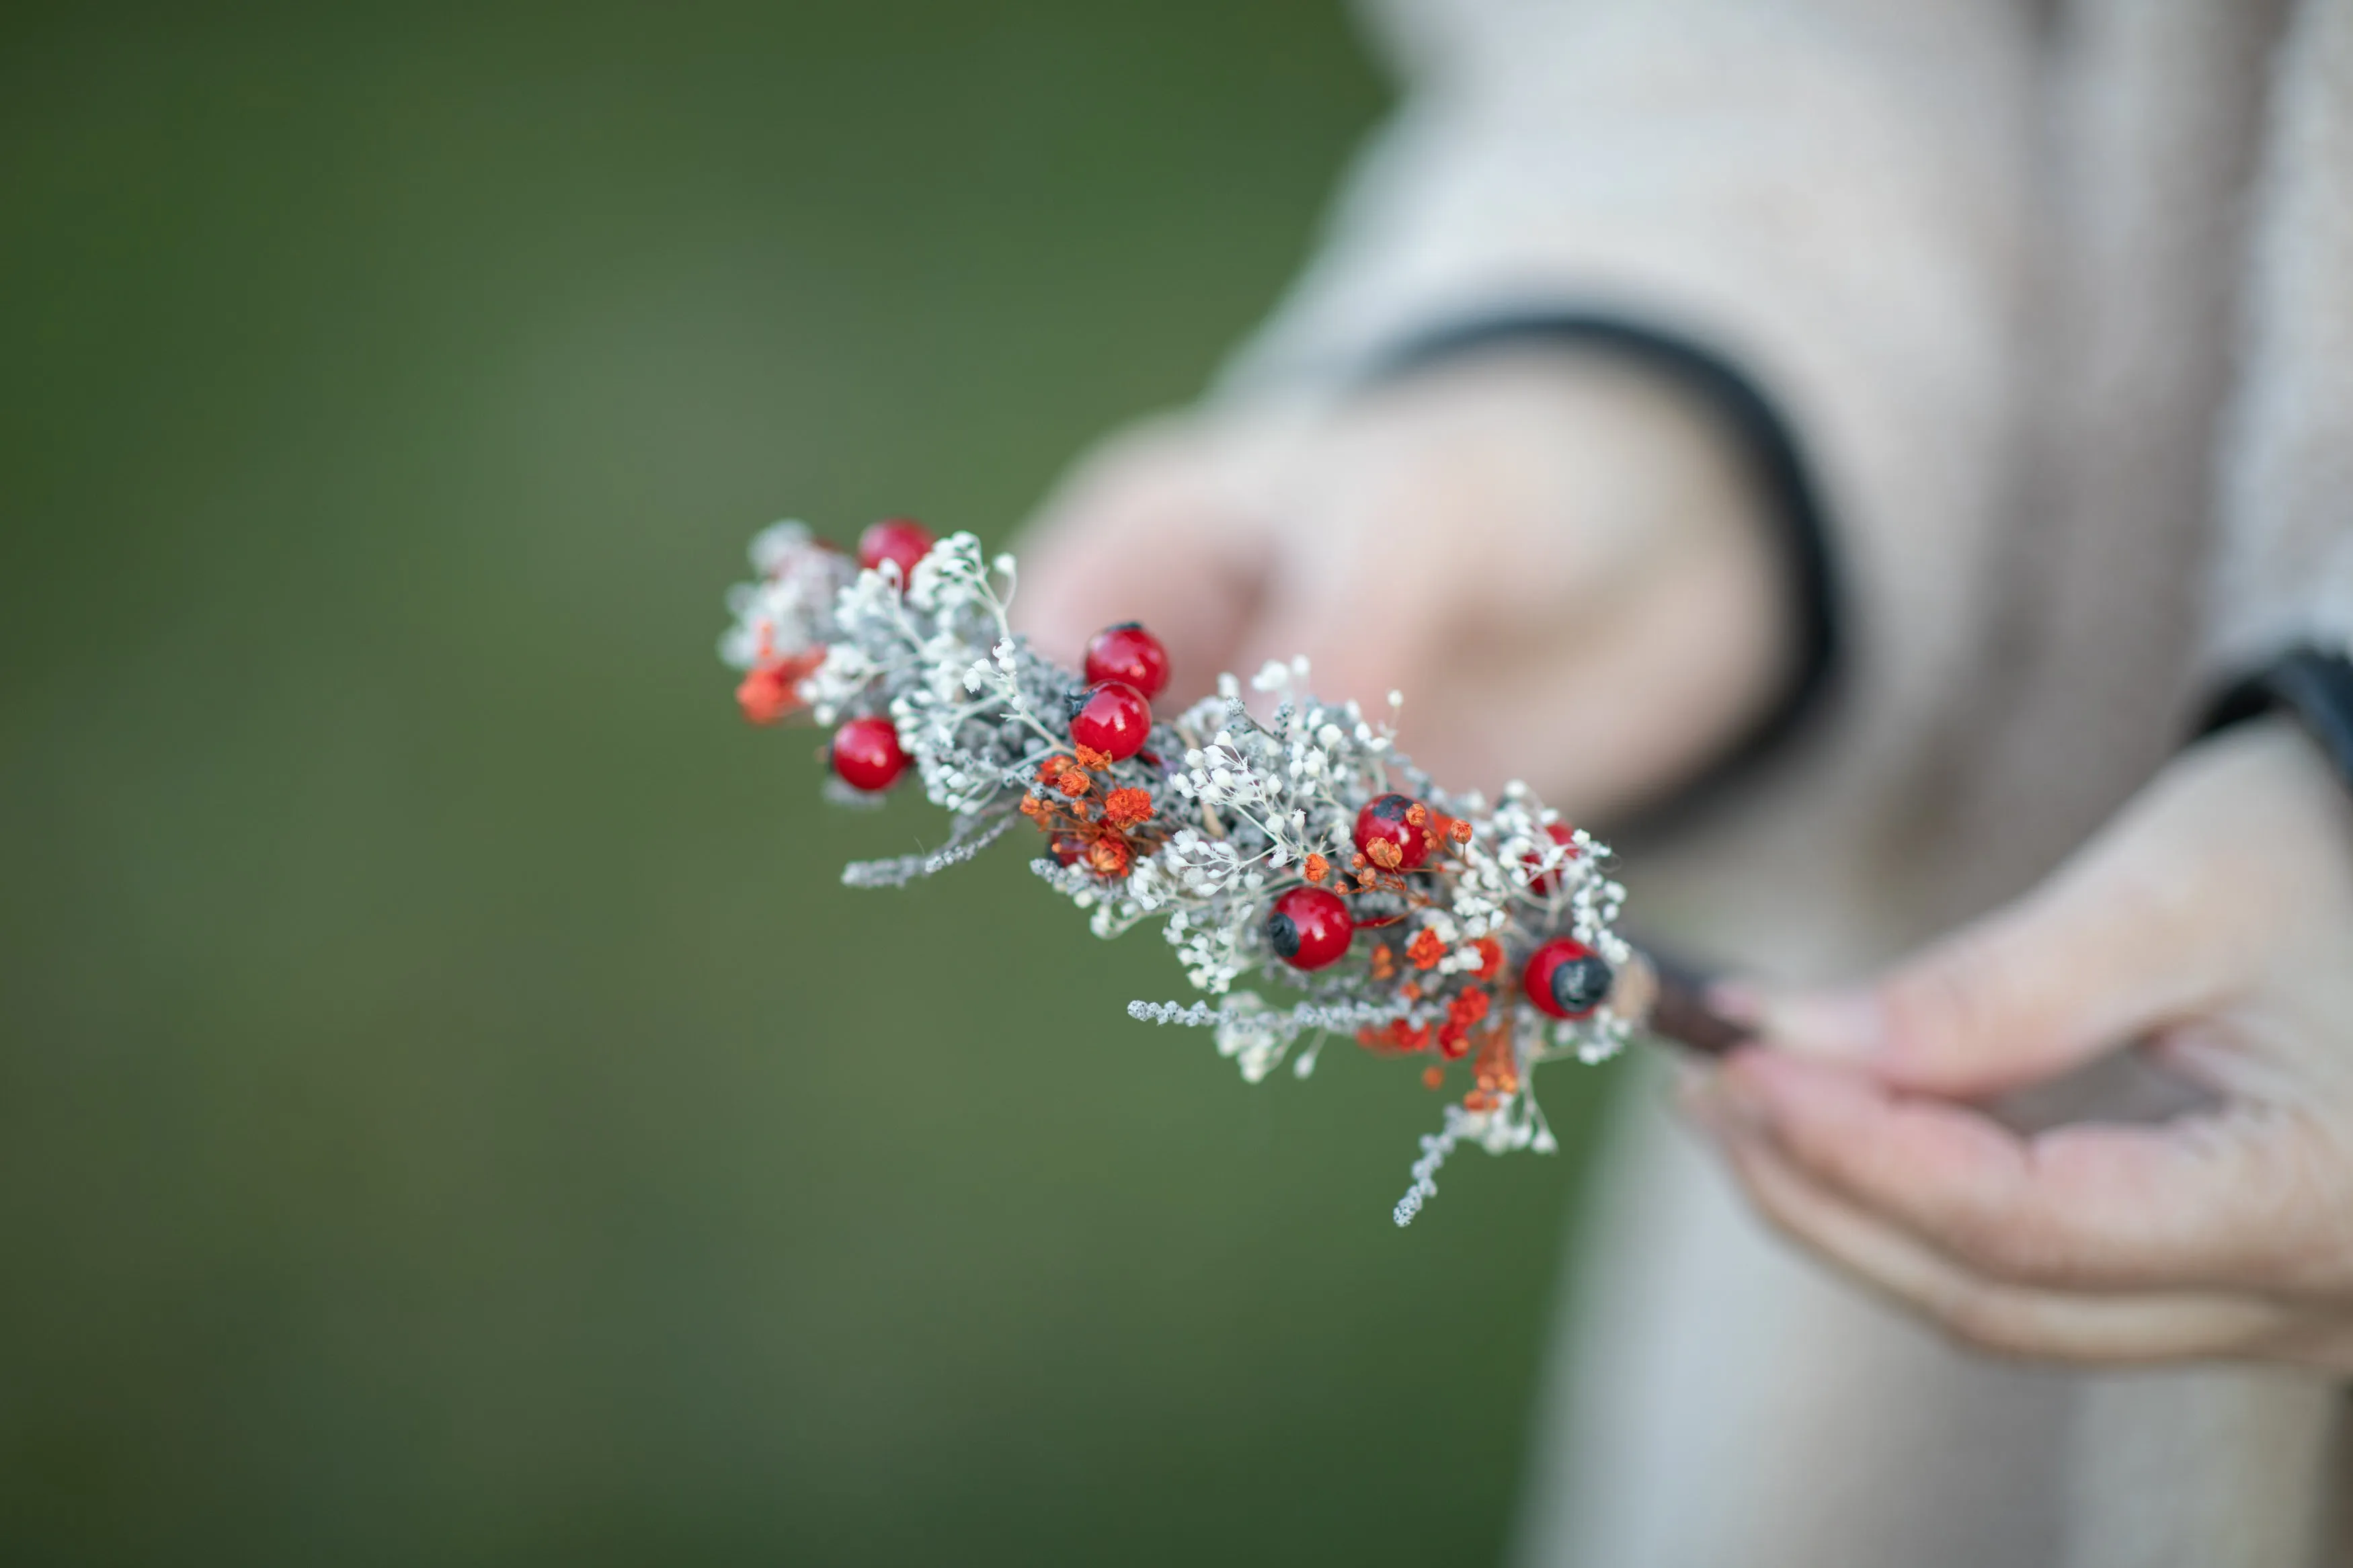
1555, 556
2211, 921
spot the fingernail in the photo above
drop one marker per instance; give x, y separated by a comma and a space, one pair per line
1840, 1026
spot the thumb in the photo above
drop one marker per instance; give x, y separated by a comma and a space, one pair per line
2108, 949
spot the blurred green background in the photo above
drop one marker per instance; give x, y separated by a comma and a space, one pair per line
451, 1112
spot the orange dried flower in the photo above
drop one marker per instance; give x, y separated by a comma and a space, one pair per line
1052, 768
1108, 855
1384, 963
1497, 1071
1073, 783
1385, 855
1035, 809
1425, 949
1468, 1007
1092, 759
763, 697
1126, 807
1459, 831
1434, 1076
767, 692
1478, 1100
1418, 815
1317, 867
1491, 957
1396, 1038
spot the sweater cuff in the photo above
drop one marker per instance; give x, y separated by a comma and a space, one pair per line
2315, 686
1793, 507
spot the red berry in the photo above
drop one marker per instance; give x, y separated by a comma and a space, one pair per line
1383, 820
1548, 882
1114, 718
1309, 928
1566, 978
866, 753
1127, 652
899, 539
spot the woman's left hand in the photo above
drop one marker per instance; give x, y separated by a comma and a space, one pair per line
2211, 924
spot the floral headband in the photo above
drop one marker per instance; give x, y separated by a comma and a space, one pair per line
1301, 852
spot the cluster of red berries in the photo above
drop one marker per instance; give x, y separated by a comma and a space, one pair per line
865, 752
1126, 667
1086, 819
1310, 927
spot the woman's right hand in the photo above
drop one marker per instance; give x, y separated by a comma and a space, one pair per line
1556, 556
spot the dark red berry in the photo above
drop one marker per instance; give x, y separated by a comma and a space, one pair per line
1383, 820
897, 538
1548, 882
1309, 928
1127, 652
866, 753
1113, 718
1566, 978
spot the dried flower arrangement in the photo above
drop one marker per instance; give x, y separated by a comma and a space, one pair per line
1301, 850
